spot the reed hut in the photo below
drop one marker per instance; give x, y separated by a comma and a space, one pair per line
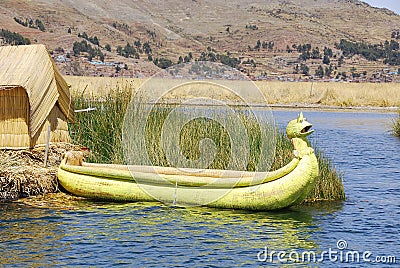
33, 96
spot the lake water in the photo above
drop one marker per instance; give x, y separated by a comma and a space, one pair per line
362, 230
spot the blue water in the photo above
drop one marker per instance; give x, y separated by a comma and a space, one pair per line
154, 235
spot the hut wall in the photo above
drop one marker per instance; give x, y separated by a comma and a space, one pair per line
58, 128
14, 121
14, 118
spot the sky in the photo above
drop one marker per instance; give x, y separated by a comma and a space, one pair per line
393, 5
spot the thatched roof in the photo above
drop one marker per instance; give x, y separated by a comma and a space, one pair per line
32, 68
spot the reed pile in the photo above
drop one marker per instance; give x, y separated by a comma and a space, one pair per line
22, 172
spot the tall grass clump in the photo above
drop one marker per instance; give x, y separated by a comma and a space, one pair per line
396, 126
329, 184
101, 131
190, 150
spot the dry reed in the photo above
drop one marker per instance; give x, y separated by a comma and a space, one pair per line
275, 92
22, 172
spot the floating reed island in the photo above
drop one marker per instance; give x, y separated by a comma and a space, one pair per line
101, 131
35, 105
23, 174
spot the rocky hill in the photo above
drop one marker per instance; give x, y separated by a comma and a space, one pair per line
286, 38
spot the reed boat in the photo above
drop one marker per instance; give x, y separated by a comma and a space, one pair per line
261, 191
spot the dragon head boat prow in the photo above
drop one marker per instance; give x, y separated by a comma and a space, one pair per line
297, 131
299, 128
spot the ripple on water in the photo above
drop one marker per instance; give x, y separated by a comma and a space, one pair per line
151, 234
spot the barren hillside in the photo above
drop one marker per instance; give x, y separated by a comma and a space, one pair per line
256, 32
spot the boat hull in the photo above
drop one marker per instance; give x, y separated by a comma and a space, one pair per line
279, 193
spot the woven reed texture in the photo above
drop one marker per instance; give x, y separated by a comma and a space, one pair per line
32, 68
14, 118
58, 128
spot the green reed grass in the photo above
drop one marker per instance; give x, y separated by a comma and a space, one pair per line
396, 126
329, 185
101, 131
195, 131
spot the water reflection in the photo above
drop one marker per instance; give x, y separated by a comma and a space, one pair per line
142, 233
28, 235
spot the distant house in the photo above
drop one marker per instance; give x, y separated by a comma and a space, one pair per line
33, 96
60, 58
